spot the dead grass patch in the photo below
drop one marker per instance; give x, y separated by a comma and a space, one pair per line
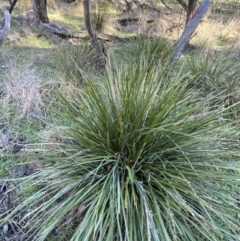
218, 32
23, 87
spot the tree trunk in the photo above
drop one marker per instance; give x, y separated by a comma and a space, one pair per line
192, 4
12, 5
6, 27
190, 28
99, 46
40, 10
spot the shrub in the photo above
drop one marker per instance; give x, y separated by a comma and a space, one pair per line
138, 159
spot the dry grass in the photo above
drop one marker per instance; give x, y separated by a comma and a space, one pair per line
23, 89
231, 31
218, 32
5, 137
68, 15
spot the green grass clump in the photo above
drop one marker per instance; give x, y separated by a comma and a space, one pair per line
71, 60
138, 158
148, 53
99, 18
216, 75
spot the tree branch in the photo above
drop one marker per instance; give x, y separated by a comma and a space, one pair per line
6, 27
12, 6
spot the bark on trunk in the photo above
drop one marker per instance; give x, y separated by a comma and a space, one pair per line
190, 28
99, 46
40, 10
12, 6
6, 27
192, 4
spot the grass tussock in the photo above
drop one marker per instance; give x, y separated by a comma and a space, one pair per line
148, 53
141, 150
215, 75
138, 159
99, 18
72, 60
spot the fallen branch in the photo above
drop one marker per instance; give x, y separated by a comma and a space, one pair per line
190, 28
6, 28
65, 34
58, 30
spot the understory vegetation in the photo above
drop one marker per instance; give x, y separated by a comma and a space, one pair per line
143, 149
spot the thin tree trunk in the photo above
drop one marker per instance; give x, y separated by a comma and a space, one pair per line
6, 27
12, 6
99, 46
40, 10
192, 4
190, 28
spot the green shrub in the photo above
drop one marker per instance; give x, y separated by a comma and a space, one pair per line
138, 159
